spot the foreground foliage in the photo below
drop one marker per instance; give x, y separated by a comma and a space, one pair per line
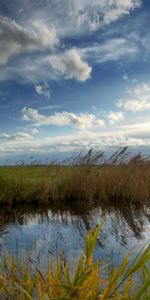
91, 280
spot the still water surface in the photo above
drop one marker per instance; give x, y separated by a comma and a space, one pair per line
32, 234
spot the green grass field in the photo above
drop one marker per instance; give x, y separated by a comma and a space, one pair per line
88, 178
43, 185
27, 172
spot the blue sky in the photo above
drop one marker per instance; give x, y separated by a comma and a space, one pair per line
74, 75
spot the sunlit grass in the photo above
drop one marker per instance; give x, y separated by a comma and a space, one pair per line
91, 280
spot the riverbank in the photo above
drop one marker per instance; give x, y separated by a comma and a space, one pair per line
128, 183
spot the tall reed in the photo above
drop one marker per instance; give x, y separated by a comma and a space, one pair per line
92, 280
87, 177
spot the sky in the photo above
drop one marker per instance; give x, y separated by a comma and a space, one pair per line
74, 75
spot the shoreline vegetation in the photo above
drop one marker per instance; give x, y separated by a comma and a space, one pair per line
88, 179
92, 280
122, 178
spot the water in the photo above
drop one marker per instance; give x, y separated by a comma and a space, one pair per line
33, 234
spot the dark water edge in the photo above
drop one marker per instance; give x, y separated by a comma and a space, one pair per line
32, 234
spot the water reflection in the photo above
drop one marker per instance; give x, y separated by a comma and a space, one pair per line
34, 233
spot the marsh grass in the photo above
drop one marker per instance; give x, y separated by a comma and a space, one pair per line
87, 177
90, 281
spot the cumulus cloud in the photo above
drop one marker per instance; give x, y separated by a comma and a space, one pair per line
115, 117
19, 136
80, 121
138, 98
70, 65
15, 39
133, 105
45, 67
43, 90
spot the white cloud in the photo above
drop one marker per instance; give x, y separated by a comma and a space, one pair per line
38, 27
15, 39
27, 69
80, 121
19, 136
110, 50
34, 130
76, 16
133, 105
45, 67
70, 65
51, 107
99, 122
78, 141
138, 98
115, 117
48, 19
119, 8
43, 90
133, 134
140, 89
137, 128
84, 16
